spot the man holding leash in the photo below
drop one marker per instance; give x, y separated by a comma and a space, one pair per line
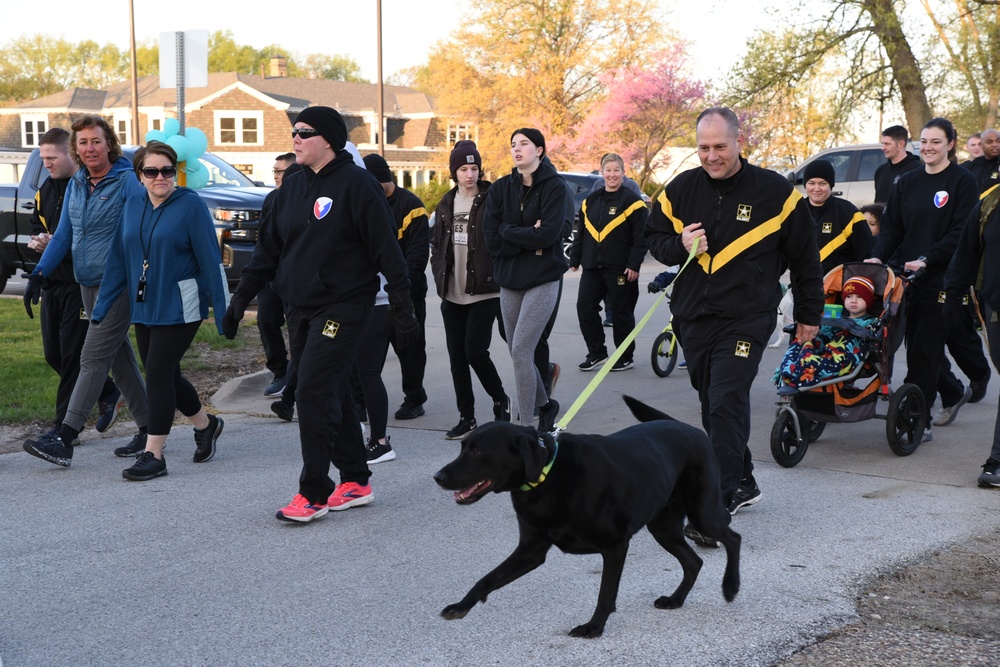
743, 221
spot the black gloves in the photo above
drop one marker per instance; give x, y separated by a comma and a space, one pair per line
32, 291
953, 309
231, 320
404, 322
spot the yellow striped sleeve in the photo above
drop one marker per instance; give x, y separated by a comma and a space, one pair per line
415, 213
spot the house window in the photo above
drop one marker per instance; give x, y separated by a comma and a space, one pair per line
458, 133
155, 123
239, 128
123, 130
32, 128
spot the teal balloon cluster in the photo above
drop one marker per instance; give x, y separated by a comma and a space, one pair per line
189, 147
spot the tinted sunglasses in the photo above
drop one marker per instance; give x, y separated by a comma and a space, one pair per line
151, 172
303, 132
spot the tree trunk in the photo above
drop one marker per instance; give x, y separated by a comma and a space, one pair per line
885, 23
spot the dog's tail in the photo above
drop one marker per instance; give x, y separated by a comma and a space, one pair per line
643, 412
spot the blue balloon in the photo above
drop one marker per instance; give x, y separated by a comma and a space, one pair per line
181, 145
198, 140
197, 175
171, 126
155, 135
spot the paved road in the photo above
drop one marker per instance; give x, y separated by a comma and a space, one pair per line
192, 569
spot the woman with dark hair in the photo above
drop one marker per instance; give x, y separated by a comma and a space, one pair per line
165, 260
527, 213
922, 221
463, 276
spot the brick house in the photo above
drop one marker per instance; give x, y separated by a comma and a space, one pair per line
248, 119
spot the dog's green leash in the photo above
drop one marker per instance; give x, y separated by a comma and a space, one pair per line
606, 368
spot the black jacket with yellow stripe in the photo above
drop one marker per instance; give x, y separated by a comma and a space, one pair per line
414, 237
611, 233
842, 233
45, 219
754, 234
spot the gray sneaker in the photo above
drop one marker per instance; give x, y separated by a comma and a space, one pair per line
947, 415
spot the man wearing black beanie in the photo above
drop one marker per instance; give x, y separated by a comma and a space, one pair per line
323, 244
414, 240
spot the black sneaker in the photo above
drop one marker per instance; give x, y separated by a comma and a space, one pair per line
50, 447
547, 416
409, 411
979, 388
700, 539
134, 448
378, 452
607, 322
991, 474
204, 439
462, 429
108, 409
501, 410
622, 365
55, 431
284, 410
146, 467
746, 495
592, 362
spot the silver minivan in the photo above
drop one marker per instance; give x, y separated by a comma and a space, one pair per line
854, 168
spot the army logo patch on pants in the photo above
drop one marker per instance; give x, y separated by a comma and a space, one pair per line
742, 349
330, 329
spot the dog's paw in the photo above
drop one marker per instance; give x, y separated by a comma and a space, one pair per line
587, 630
454, 611
668, 602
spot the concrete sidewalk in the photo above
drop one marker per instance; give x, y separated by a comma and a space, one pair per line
192, 568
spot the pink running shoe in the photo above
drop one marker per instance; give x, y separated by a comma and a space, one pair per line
350, 494
301, 510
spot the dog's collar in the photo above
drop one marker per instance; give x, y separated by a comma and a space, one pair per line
548, 466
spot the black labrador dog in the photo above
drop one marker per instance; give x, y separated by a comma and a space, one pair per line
590, 494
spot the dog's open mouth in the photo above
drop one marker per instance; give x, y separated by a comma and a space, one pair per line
473, 493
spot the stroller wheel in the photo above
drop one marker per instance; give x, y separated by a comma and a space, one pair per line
815, 430
663, 356
905, 420
787, 447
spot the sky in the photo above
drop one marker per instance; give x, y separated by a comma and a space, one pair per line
716, 29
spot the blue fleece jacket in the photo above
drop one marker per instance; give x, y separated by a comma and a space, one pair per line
88, 222
184, 274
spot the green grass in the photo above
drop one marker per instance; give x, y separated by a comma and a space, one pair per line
29, 385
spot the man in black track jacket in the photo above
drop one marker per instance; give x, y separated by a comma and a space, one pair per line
744, 222
414, 240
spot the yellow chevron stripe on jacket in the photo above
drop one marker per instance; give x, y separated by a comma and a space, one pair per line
38, 207
615, 222
841, 238
712, 263
415, 213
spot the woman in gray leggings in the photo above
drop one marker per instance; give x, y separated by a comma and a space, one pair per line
528, 213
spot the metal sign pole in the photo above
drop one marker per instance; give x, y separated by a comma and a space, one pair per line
180, 79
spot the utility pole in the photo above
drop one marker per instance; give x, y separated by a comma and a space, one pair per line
135, 69
381, 98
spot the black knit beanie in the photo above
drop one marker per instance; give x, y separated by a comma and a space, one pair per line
533, 135
328, 122
819, 169
464, 152
378, 167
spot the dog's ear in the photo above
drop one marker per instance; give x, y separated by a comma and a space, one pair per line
534, 454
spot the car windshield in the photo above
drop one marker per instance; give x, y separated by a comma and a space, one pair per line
223, 174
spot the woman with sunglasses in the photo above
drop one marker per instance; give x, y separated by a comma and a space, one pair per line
165, 259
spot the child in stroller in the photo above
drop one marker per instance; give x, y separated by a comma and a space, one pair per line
838, 348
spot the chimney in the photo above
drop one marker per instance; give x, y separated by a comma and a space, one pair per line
279, 66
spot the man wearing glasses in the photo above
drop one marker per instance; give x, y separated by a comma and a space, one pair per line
270, 309
328, 236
